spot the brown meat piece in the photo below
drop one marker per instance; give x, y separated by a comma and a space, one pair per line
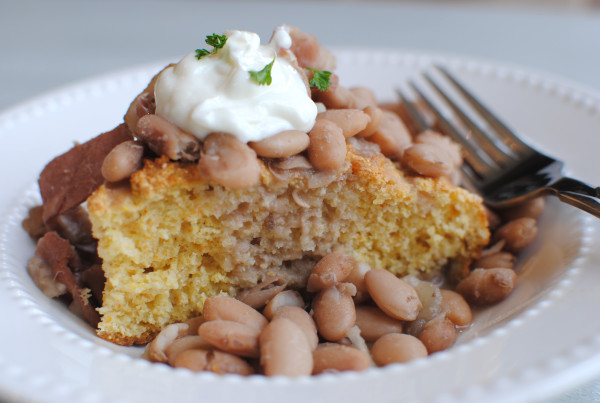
34, 224
59, 255
70, 178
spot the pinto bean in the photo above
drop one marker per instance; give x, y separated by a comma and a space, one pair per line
357, 277
427, 160
517, 234
183, 344
397, 347
327, 148
164, 138
375, 115
229, 162
231, 337
332, 357
214, 361
351, 121
223, 363
373, 323
155, 351
392, 136
228, 308
284, 298
456, 308
494, 220
122, 161
263, 292
304, 321
334, 311
309, 52
336, 97
364, 97
281, 145
451, 149
330, 270
487, 286
194, 360
438, 334
284, 349
142, 105
500, 259
531, 208
392, 295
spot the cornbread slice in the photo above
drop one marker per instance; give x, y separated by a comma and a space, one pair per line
171, 239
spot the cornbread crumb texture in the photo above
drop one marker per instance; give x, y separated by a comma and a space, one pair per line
173, 240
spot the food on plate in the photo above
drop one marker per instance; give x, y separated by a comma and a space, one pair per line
250, 171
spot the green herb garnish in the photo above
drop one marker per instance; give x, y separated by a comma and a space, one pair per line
214, 40
263, 76
320, 79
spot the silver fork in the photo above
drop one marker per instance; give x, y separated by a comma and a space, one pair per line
498, 165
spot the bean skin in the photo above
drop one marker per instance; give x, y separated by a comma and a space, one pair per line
258, 296
330, 270
392, 295
357, 277
284, 298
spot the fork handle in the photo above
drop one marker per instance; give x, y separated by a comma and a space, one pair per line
578, 194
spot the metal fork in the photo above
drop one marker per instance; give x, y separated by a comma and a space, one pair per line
498, 165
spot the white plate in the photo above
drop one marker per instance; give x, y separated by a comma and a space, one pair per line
543, 339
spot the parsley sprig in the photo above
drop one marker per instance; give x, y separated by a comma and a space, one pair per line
262, 77
214, 40
320, 79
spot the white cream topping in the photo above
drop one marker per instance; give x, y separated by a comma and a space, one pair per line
216, 92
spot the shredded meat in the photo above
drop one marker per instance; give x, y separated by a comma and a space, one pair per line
70, 178
59, 256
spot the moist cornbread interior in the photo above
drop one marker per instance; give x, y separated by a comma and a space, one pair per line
171, 239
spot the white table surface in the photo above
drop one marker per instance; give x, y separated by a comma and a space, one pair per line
46, 44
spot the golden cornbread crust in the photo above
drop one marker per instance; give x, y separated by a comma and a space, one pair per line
172, 239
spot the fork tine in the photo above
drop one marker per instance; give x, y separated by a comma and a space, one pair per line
481, 163
417, 117
499, 151
507, 135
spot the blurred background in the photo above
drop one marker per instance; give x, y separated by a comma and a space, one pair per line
48, 44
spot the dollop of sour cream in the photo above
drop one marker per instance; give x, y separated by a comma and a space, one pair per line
217, 94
